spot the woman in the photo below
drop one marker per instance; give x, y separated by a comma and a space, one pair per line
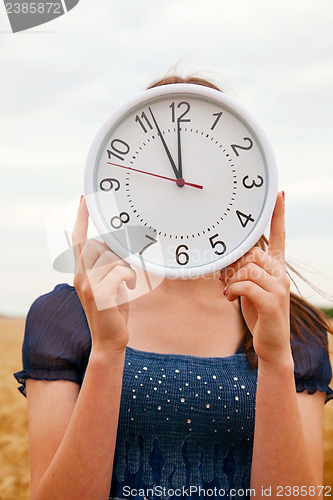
219, 383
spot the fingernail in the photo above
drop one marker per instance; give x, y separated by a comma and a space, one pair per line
225, 291
283, 195
81, 198
224, 275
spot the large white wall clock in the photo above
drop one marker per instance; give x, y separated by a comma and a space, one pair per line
181, 181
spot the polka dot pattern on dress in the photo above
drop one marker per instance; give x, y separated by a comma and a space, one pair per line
207, 403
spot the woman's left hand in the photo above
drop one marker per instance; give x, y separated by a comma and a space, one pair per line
260, 279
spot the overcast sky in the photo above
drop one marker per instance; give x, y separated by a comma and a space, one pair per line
60, 81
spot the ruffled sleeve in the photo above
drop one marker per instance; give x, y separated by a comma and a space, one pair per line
57, 339
313, 371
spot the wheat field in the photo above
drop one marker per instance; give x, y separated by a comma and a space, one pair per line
14, 456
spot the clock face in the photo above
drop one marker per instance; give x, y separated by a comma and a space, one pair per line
181, 181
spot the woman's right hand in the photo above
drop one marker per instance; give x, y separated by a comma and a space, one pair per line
99, 279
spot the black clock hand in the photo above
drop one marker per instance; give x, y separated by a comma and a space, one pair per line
180, 165
176, 172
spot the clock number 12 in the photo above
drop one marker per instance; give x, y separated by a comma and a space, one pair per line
181, 117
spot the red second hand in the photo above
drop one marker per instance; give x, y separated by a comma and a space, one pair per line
179, 182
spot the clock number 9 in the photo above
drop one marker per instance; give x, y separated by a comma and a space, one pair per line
237, 146
185, 257
118, 148
107, 184
218, 242
119, 220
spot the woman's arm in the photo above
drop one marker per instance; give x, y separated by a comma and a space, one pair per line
72, 432
287, 449
285, 453
72, 435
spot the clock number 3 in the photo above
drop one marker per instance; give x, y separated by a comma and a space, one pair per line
254, 183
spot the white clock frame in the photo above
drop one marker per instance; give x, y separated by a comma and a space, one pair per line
237, 110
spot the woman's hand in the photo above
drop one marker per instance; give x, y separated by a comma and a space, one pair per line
260, 279
100, 278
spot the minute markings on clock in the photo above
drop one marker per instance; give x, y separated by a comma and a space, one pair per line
235, 182
140, 148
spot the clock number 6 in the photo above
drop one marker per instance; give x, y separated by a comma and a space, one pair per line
119, 220
185, 257
218, 242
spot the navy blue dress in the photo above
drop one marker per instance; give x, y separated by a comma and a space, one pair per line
186, 423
